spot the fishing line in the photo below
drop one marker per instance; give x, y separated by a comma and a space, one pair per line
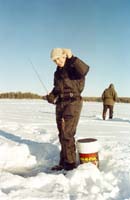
38, 76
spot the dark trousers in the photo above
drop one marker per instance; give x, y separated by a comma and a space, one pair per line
67, 117
105, 108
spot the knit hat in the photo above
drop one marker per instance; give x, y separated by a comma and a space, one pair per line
56, 53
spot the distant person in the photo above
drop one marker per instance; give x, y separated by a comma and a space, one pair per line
69, 81
109, 97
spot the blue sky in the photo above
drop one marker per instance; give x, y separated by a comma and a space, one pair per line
97, 31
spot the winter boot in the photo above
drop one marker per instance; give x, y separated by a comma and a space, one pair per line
104, 116
57, 168
69, 166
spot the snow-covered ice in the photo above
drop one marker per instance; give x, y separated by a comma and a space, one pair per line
29, 147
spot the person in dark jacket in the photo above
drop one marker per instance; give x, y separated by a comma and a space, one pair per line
69, 81
109, 97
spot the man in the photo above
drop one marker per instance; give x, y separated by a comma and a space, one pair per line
109, 97
69, 80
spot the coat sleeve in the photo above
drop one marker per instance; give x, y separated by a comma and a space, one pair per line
81, 67
102, 96
115, 96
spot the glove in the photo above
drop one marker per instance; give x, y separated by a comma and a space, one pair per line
44, 97
50, 98
68, 53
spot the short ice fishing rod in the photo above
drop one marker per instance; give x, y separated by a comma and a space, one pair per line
38, 76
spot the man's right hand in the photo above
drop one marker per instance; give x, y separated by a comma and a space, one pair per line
50, 98
44, 97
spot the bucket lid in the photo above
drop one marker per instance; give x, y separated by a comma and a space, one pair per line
86, 140
88, 145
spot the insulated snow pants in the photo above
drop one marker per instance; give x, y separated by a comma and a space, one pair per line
67, 117
105, 107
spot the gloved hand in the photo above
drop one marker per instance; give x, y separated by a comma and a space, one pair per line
44, 97
68, 53
50, 98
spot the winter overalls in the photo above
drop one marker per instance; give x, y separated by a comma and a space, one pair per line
68, 84
109, 97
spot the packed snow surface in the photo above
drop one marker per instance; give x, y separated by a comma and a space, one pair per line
29, 147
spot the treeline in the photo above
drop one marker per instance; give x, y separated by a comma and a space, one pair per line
29, 95
19, 95
98, 99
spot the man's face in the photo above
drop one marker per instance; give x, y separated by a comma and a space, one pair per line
60, 61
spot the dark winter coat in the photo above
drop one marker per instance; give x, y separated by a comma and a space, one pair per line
70, 79
109, 95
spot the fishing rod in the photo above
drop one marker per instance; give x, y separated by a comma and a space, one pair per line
38, 76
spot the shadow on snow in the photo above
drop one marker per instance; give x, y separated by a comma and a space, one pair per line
45, 153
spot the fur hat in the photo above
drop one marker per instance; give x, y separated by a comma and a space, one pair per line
111, 85
56, 53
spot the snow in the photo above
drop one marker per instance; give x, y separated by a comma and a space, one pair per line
29, 147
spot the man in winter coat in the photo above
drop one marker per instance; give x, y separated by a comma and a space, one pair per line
69, 81
109, 97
